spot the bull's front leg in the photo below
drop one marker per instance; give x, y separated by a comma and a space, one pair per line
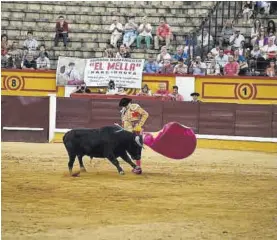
115, 162
126, 158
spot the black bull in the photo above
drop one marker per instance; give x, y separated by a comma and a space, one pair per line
108, 142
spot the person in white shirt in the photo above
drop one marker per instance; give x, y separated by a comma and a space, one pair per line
215, 51
269, 51
236, 39
116, 30
30, 44
43, 62
255, 30
144, 33
164, 55
206, 45
213, 68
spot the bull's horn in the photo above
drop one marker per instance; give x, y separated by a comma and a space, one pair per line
138, 141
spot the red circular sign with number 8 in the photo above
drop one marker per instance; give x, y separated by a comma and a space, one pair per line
14, 83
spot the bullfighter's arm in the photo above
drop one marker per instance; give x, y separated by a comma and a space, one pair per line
144, 116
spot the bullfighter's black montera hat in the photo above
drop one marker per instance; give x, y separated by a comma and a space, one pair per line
195, 94
124, 102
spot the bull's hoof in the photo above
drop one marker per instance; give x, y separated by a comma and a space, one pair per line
83, 170
121, 172
137, 170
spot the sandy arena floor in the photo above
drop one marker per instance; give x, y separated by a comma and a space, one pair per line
214, 194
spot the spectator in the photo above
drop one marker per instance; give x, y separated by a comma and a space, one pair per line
116, 30
213, 68
209, 58
15, 50
145, 91
247, 11
61, 31
109, 53
72, 75
206, 46
263, 7
242, 49
111, 89
215, 51
271, 70
42, 50
261, 40
144, 33
122, 53
29, 62
162, 92
30, 44
163, 33
175, 96
190, 43
198, 67
255, 54
232, 67
167, 68
236, 39
242, 62
255, 30
83, 89
180, 68
151, 66
14, 61
4, 44
43, 63
195, 96
130, 32
180, 54
121, 91
271, 27
269, 51
272, 35
226, 33
221, 60
164, 55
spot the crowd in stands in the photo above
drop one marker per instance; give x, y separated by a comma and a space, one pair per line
162, 92
31, 55
230, 55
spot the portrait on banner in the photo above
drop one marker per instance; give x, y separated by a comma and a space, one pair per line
70, 71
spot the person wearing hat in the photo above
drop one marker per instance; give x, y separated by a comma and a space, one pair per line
133, 117
195, 96
236, 39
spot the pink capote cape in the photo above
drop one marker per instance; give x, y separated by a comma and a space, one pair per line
173, 141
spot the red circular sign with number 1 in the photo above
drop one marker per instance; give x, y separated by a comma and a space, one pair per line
245, 91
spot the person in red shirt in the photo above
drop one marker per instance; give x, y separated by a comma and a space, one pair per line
61, 31
175, 96
163, 33
232, 67
162, 92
